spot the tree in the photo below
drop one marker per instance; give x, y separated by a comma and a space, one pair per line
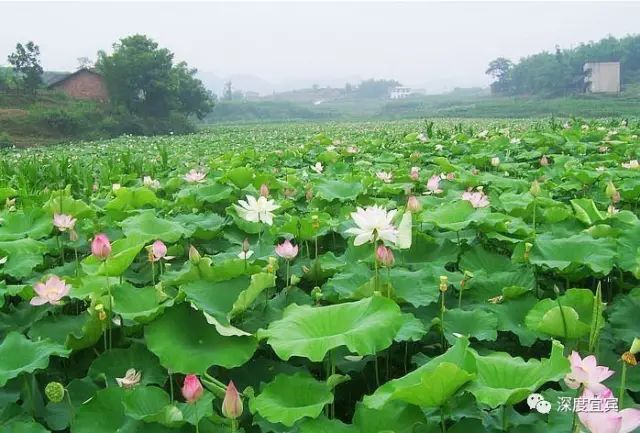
141, 77
499, 68
227, 93
26, 65
84, 63
376, 88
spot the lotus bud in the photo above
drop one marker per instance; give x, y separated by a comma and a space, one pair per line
194, 255
556, 290
54, 392
264, 190
245, 245
192, 388
611, 190
495, 161
544, 161
384, 256
413, 204
535, 188
444, 283
232, 404
414, 174
100, 246
527, 250
316, 294
73, 235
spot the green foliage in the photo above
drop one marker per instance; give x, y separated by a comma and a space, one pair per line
26, 66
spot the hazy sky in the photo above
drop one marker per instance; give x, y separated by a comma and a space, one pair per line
436, 45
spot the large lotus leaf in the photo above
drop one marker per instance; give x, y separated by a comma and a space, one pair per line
194, 412
91, 286
459, 355
123, 253
34, 224
303, 227
259, 282
288, 399
213, 193
629, 250
353, 282
20, 317
426, 250
504, 380
586, 211
68, 205
324, 425
240, 176
365, 327
6, 192
453, 216
148, 227
150, 404
104, 413
204, 226
396, 417
577, 309
436, 387
215, 298
413, 329
511, 317
420, 287
21, 355
24, 427
22, 256
115, 363
338, 190
622, 316
132, 198
479, 324
141, 304
186, 343
578, 250
74, 332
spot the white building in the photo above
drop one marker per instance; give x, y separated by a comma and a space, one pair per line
602, 77
399, 92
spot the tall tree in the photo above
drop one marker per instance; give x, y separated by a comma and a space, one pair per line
25, 61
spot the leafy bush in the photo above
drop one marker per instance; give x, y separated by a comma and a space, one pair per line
5, 140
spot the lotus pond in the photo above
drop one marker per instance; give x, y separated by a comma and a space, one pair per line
332, 278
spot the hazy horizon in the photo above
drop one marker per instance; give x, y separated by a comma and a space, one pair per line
281, 46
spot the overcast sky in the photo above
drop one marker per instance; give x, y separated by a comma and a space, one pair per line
434, 45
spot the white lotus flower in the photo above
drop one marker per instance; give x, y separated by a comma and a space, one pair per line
422, 137
195, 176
633, 164
259, 210
384, 176
373, 223
151, 183
3, 260
318, 168
495, 161
130, 379
244, 255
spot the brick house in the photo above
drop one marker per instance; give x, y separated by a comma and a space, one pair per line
82, 84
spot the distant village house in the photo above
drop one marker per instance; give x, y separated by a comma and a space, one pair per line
401, 92
83, 84
602, 77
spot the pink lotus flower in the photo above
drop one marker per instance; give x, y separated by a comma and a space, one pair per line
586, 372
478, 199
544, 161
100, 246
232, 404
384, 256
192, 388
433, 185
195, 176
607, 421
264, 190
384, 176
287, 250
415, 173
413, 205
158, 251
51, 291
64, 222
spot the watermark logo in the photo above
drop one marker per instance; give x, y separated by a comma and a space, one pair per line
537, 402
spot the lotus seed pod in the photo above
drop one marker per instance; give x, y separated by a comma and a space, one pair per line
535, 188
444, 283
629, 358
54, 392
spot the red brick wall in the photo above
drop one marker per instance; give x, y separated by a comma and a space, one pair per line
84, 85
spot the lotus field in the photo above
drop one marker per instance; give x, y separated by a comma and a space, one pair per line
331, 278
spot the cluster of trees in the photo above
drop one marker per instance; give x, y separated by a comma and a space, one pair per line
372, 88
25, 74
561, 73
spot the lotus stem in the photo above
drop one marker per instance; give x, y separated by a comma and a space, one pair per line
195, 410
623, 385
443, 425
170, 386
110, 315
234, 426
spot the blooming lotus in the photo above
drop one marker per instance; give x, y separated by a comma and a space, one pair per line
287, 250
158, 251
150, 183
130, 379
232, 404
422, 137
384, 176
51, 291
195, 176
192, 388
352, 150
100, 246
318, 168
610, 421
586, 372
495, 161
260, 210
64, 222
373, 223
478, 199
633, 164
433, 185
414, 174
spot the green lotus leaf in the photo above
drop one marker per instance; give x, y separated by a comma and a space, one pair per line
288, 399
420, 287
436, 387
586, 211
150, 404
578, 250
511, 316
629, 250
364, 327
203, 226
132, 198
478, 324
240, 176
324, 425
141, 304
70, 206
459, 355
576, 314
259, 282
216, 298
34, 224
213, 193
504, 380
621, 316
195, 412
302, 227
353, 282
340, 190
148, 227
21, 355
396, 417
453, 216
123, 253
74, 332
104, 413
24, 427
22, 256
186, 343
412, 329
115, 363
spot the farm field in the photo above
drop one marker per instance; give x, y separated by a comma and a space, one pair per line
414, 276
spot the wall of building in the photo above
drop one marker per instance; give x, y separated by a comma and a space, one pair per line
604, 77
84, 85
